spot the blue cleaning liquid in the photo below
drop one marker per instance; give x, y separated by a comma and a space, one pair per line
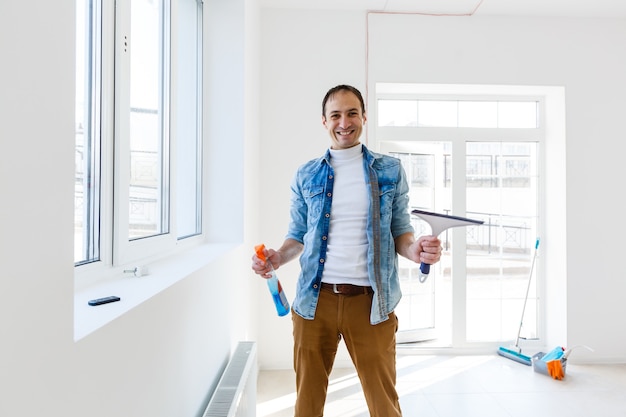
278, 295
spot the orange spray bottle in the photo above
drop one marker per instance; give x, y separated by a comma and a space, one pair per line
278, 295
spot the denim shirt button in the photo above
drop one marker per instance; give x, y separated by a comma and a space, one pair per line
315, 286
324, 237
327, 215
328, 194
322, 260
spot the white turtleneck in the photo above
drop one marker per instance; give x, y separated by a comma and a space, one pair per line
346, 257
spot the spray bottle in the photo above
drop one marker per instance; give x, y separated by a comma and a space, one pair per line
278, 295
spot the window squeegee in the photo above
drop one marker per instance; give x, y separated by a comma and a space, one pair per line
438, 224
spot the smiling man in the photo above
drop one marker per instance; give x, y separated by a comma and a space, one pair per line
343, 115
349, 221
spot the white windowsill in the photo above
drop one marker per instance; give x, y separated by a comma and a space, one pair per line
135, 290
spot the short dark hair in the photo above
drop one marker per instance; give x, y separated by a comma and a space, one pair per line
342, 87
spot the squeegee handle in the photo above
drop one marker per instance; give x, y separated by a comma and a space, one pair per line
424, 271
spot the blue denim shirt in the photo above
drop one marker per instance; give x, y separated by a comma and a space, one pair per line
311, 200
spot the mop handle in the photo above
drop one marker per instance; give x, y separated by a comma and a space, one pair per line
532, 266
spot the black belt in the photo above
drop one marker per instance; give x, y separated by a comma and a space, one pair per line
347, 289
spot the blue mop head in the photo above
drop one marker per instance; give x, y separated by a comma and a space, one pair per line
516, 356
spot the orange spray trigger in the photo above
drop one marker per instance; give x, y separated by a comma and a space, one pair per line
260, 252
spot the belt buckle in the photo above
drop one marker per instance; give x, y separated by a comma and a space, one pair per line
335, 289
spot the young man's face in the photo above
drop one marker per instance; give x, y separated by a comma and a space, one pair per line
344, 119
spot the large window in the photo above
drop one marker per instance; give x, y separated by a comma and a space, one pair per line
477, 157
138, 128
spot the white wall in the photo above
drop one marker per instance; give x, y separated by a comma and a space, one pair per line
164, 357
306, 52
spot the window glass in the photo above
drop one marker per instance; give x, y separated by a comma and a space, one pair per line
503, 192
521, 114
189, 116
397, 113
478, 114
458, 113
437, 113
87, 150
148, 187
424, 306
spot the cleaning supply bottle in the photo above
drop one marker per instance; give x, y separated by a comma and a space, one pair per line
278, 295
553, 355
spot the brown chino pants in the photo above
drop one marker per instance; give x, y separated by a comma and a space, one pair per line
371, 347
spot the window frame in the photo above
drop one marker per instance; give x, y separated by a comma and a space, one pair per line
398, 138
127, 250
117, 252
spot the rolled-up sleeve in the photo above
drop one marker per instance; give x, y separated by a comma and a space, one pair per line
297, 212
401, 218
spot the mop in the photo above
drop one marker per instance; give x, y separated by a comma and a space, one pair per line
515, 352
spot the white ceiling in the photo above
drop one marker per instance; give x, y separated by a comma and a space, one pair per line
559, 8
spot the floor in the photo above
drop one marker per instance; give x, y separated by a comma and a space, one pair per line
465, 386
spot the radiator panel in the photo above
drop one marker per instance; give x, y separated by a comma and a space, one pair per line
235, 395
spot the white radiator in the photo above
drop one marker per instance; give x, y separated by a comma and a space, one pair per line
235, 395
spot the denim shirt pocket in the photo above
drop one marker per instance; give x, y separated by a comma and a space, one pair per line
386, 195
314, 197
